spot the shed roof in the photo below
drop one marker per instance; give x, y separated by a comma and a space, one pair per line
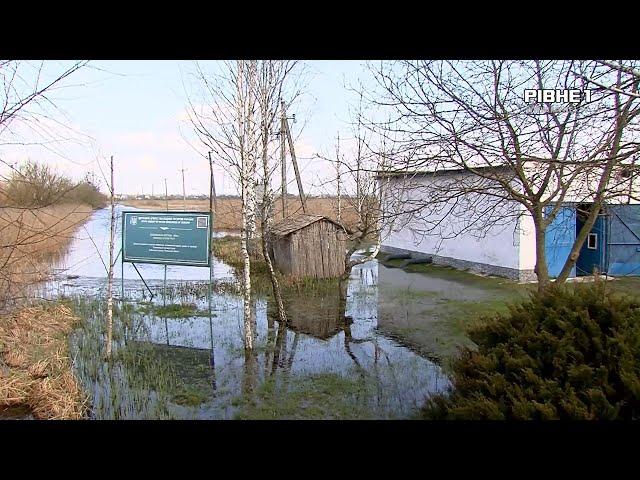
297, 222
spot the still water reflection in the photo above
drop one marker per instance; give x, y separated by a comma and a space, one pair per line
329, 362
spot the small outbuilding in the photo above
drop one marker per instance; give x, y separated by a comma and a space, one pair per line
309, 246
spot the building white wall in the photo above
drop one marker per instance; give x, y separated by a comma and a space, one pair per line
527, 236
464, 235
510, 243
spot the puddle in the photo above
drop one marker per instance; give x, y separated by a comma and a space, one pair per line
399, 279
430, 309
329, 362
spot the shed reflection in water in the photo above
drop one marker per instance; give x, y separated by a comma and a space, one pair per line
322, 338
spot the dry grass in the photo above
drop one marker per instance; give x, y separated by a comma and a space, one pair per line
230, 209
30, 240
35, 368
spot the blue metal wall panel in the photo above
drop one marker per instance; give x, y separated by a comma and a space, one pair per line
624, 240
593, 259
561, 234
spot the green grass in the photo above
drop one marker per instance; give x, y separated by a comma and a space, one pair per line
142, 379
191, 396
625, 285
184, 310
435, 322
323, 396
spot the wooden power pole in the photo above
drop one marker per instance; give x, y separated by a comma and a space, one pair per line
213, 201
184, 196
295, 164
283, 162
166, 194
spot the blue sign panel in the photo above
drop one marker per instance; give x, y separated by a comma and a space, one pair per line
170, 238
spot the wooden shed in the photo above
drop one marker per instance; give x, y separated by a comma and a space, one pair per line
309, 246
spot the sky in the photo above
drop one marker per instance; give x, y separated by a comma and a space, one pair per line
135, 111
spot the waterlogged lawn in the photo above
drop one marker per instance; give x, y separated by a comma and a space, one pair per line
430, 307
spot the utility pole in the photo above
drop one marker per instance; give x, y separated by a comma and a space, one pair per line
283, 160
184, 196
166, 194
212, 189
338, 177
295, 165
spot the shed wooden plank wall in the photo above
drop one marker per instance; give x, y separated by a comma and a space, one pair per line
282, 254
314, 251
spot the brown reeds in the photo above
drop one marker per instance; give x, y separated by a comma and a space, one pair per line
35, 368
30, 240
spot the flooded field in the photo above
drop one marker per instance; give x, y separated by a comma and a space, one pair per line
179, 349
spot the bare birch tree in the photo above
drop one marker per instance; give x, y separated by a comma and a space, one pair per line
271, 88
222, 113
525, 159
339, 159
234, 117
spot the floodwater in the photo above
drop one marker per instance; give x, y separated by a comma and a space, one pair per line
328, 362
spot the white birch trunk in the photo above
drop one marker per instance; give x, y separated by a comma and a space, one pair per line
112, 227
248, 192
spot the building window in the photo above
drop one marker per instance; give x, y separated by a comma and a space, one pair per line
592, 241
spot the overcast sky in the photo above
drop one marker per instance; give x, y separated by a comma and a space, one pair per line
135, 111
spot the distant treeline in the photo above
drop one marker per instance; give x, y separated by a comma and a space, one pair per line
36, 185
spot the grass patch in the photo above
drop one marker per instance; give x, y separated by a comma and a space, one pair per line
190, 397
228, 250
174, 310
323, 396
436, 323
432, 319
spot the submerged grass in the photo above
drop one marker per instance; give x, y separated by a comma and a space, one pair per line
135, 383
322, 396
435, 322
37, 370
174, 310
433, 317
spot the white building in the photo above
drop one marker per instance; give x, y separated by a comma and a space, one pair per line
430, 215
